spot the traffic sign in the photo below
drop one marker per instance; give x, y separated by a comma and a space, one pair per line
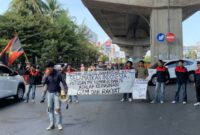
170, 37
161, 37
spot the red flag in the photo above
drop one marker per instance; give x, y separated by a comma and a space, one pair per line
12, 51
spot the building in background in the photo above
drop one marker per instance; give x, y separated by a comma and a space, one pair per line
92, 36
112, 51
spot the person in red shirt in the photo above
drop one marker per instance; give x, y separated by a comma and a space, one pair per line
128, 96
33, 75
69, 71
197, 84
182, 77
162, 75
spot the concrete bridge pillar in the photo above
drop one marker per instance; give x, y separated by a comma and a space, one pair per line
136, 52
165, 21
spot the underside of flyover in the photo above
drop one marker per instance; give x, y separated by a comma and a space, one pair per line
134, 24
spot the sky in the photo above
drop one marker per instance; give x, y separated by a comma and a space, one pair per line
80, 14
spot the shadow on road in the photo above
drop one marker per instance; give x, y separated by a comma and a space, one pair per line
8, 102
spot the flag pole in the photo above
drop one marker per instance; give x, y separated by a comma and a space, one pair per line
26, 57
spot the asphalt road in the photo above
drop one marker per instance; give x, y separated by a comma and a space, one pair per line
104, 115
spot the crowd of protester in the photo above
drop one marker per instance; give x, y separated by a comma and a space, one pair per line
52, 78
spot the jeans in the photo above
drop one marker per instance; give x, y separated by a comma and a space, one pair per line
70, 98
180, 87
198, 92
54, 108
159, 94
32, 89
127, 95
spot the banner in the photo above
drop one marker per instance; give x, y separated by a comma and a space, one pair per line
140, 89
100, 82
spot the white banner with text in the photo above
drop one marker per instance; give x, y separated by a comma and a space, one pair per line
100, 82
140, 89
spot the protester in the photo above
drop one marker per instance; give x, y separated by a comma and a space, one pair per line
142, 73
181, 77
128, 96
69, 71
109, 66
33, 74
93, 67
53, 79
82, 68
197, 84
162, 75
89, 69
100, 66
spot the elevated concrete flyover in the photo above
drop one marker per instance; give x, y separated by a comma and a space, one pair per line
134, 24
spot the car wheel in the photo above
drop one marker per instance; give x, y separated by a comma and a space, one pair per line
20, 93
191, 77
154, 80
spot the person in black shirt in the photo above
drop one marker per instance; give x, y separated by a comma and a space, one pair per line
162, 75
53, 79
197, 84
182, 76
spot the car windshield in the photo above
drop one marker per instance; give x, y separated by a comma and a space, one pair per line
5, 70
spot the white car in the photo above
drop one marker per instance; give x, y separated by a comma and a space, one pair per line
11, 84
59, 66
191, 66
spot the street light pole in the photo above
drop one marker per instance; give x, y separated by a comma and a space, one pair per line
168, 28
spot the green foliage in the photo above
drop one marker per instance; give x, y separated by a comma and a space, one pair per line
104, 58
60, 40
147, 59
28, 7
191, 55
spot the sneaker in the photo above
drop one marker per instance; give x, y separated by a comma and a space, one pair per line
122, 100
69, 101
184, 102
60, 127
174, 102
50, 127
33, 101
197, 104
25, 101
77, 101
153, 102
162, 102
67, 106
130, 100
42, 101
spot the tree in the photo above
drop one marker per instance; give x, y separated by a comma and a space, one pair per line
147, 59
191, 55
61, 40
104, 58
53, 9
27, 7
